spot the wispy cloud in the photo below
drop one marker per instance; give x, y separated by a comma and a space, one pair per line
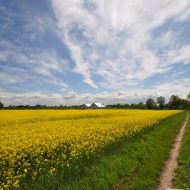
178, 87
180, 55
30, 64
120, 34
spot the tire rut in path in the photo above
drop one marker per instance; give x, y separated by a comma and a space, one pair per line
171, 164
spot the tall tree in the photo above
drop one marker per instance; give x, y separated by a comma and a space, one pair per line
141, 105
161, 102
150, 103
174, 102
188, 96
1, 105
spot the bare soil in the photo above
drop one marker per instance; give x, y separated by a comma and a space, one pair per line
171, 164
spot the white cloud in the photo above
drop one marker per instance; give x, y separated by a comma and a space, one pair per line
178, 87
180, 55
119, 33
81, 66
184, 16
14, 75
30, 64
166, 38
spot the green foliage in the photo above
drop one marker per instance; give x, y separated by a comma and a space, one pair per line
141, 105
161, 102
39, 106
188, 96
176, 102
150, 104
1, 105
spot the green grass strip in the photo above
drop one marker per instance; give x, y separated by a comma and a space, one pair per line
182, 179
133, 164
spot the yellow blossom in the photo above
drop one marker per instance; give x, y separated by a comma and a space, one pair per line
36, 140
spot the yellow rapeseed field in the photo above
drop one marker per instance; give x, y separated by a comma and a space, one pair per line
37, 141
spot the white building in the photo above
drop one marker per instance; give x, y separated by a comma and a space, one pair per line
97, 106
93, 106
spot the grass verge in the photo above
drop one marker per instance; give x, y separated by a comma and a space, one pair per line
133, 164
182, 179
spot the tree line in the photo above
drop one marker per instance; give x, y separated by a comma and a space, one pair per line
175, 102
38, 106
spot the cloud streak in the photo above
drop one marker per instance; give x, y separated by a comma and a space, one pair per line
119, 33
179, 87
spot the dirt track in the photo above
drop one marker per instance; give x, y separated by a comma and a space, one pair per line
171, 164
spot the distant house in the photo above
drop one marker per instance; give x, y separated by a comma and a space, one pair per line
93, 106
97, 106
86, 106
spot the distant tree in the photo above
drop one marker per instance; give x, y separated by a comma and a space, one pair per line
174, 102
188, 96
134, 106
184, 104
126, 105
150, 104
118, 105
161, 102
1, 105
141, 105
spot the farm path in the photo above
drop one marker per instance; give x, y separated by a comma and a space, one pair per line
171, 164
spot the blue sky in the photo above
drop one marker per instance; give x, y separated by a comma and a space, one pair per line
72, 52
